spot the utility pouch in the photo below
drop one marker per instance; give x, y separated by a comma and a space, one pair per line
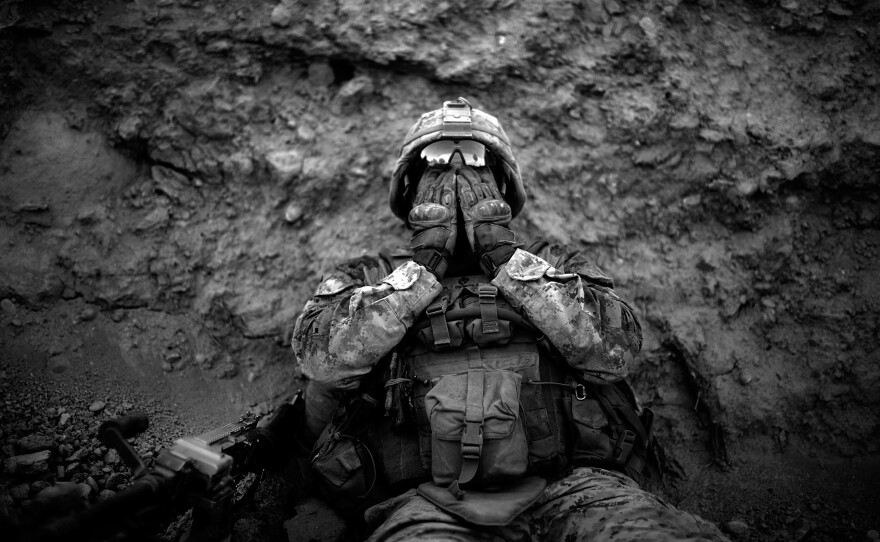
345, 466
449, 336
591, 434
606, 430
342, 462
488, 508
477, 434
500, 335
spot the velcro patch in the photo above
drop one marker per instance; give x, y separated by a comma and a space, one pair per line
404, 276
524, 266
333, 285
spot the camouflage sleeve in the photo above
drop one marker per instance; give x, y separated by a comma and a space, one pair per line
594, 330
346, 328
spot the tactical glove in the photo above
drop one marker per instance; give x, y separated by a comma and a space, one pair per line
486, 216
434, 220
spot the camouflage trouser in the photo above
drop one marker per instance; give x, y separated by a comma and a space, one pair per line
590, 504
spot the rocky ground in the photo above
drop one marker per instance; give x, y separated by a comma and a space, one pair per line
176, 175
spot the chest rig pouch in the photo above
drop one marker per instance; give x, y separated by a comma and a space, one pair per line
474, 365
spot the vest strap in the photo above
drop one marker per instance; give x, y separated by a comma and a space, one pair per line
472, 312
617, 412
472, 437
624, 446
372, 275
488, 308
436, 312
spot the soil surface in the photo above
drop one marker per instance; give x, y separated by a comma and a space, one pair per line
177, 175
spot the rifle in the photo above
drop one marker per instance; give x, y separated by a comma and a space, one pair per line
212, 473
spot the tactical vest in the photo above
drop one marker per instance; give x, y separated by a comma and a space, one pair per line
483, 396
476, 396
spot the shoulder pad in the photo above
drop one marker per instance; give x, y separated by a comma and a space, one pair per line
590, 272
404, 276
335, 283
570, 261
354, 273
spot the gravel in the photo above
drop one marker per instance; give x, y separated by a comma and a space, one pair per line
49, 444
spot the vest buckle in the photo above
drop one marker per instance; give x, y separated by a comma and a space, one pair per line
436, 312
472, 440
624, 446
488, 308
437, 308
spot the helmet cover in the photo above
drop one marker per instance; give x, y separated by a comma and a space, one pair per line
457, 120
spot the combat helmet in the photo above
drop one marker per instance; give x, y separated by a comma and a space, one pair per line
456, 121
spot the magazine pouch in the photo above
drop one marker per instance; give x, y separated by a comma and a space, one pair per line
477, 434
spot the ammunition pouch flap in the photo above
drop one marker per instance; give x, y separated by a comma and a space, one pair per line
487, 508
477, 433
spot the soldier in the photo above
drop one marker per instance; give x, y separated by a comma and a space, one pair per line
481, 381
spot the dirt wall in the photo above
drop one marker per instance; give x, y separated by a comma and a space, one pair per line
720, 160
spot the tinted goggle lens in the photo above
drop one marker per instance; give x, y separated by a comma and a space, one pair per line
441, 152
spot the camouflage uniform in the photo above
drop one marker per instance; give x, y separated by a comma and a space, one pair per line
589, 504
350, 325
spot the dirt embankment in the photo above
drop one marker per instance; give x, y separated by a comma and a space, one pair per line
179, 173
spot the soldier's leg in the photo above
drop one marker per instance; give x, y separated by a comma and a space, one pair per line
599, 505
320, 406
412, 517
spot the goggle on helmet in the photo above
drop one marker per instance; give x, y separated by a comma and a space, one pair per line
457, 128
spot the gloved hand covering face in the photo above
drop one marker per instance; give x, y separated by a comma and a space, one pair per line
486, 216
480, 200
434, 219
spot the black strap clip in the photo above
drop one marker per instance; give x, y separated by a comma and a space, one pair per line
624, 446
436, 312
488, 308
